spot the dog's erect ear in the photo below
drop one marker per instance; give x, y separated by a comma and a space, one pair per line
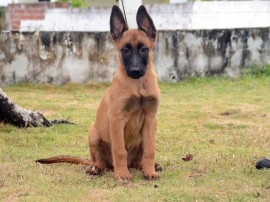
118, 24
145, 22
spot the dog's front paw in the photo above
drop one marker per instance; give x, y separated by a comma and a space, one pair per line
93, 170
151, 175
123, 175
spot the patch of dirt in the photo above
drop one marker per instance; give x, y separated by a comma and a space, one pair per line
229, 113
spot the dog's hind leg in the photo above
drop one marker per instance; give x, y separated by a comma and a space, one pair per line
135, 159
98, 152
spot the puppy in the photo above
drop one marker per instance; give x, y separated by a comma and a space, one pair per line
123, 135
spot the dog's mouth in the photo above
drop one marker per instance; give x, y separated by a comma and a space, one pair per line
135, 76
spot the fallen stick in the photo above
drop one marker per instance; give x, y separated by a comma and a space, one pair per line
13, 114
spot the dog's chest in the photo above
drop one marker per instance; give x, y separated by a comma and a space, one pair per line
136, 109
140, 103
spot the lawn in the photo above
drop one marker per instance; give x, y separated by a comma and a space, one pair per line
224, 123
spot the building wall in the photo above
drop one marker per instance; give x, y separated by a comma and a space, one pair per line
60, 57
6, 2
53, 43
186, 16
31, 11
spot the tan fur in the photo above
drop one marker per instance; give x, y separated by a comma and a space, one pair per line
123, 134
125, 130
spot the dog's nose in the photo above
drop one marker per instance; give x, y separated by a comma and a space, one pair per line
135, 71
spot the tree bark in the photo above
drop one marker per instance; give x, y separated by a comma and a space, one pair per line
20, 117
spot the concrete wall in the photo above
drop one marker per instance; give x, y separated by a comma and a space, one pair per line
59, 57
58, 44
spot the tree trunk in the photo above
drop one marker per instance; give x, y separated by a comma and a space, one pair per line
20, 117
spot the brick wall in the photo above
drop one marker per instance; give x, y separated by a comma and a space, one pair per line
32, 11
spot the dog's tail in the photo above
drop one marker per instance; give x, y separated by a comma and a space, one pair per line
65, 159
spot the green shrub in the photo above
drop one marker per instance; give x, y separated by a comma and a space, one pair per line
76, 3
2, 12
257, 71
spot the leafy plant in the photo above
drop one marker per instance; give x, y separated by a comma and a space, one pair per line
257, 71
76, 3
2, 12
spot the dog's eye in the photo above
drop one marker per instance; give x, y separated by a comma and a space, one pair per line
125, 51
143, 50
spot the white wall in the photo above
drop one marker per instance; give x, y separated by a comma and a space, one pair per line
6, 2
131, 8
186, 16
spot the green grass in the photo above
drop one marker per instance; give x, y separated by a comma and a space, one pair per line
224, 123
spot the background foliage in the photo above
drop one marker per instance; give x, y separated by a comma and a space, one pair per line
76, 3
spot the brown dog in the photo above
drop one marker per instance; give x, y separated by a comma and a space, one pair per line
123, 135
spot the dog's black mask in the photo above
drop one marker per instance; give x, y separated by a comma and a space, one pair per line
135, 60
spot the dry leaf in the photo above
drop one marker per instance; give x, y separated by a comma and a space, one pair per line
187, 157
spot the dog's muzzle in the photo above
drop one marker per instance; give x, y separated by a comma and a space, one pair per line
135, 72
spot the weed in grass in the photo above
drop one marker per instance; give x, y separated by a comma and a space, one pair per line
213, 126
